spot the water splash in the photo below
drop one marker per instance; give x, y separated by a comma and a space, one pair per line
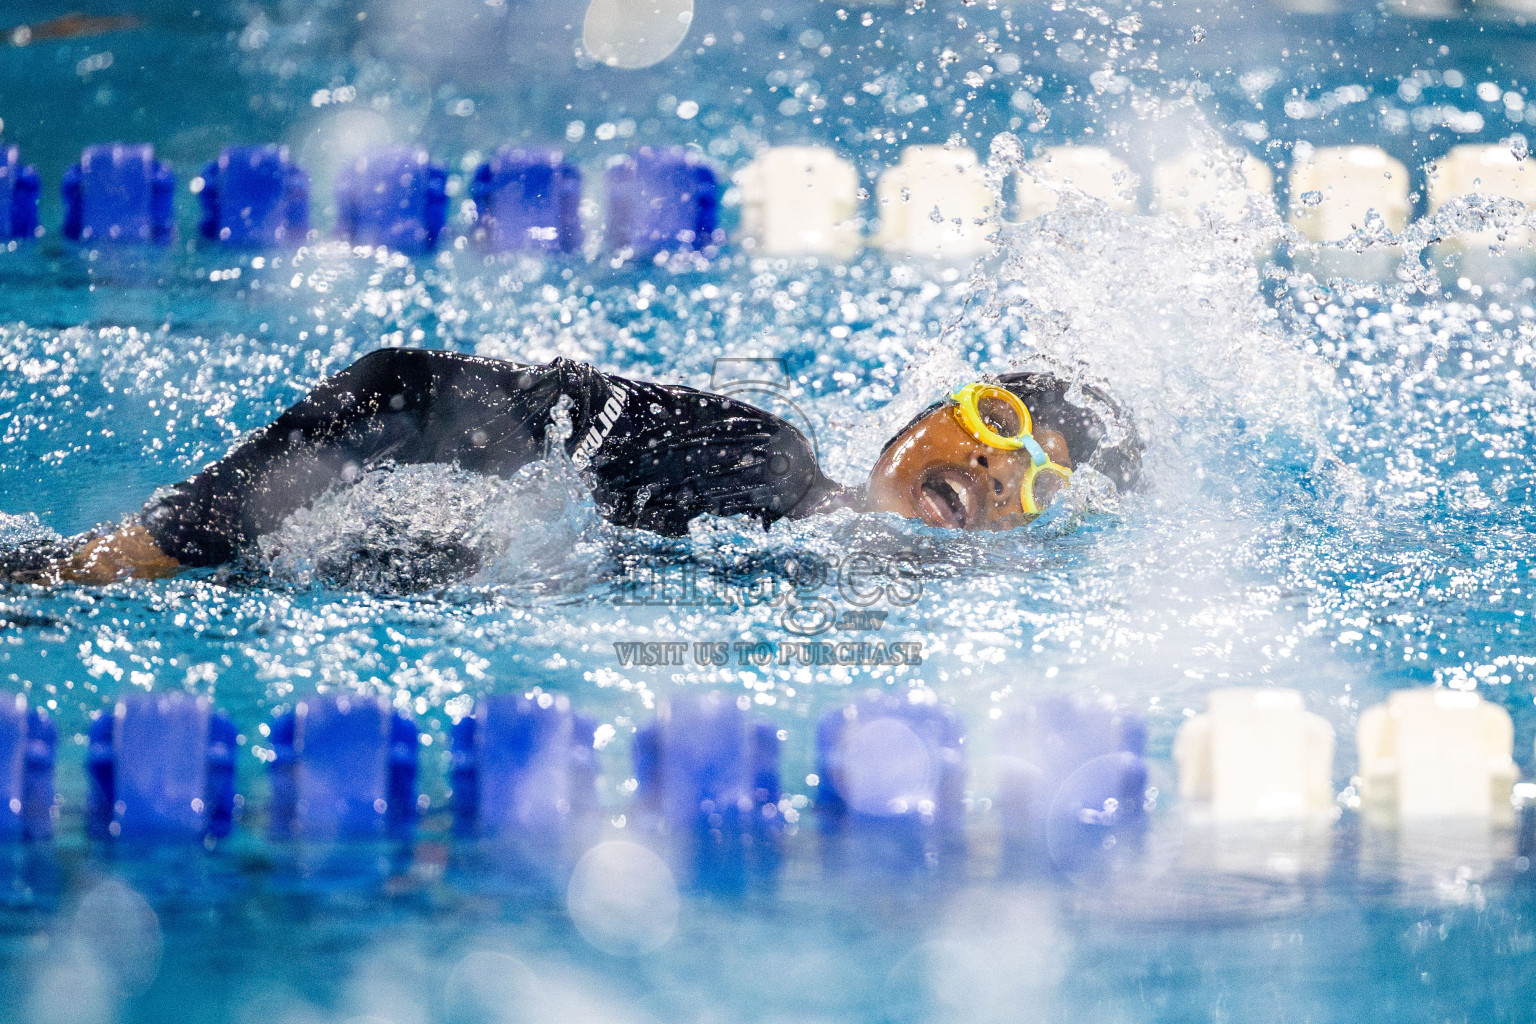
411, 528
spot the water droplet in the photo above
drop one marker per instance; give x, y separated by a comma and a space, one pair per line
1519, 146
1197, 34
1312, 198
1006, 150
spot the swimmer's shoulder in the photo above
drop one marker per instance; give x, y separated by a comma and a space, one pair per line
437, 368
432, 358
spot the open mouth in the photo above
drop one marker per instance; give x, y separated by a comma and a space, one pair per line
947, 498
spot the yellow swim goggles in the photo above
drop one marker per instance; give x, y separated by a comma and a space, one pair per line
998, 419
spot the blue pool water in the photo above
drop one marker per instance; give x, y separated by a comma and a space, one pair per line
1340, 502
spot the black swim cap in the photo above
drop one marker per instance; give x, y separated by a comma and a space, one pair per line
1083, 424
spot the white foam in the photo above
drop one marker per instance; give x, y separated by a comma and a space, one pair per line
1171, 318
402, 528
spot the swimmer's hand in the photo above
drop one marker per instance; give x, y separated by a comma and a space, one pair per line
127, 553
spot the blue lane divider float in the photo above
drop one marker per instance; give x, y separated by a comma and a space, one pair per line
1072, 789
19, 189
395, 197
254, 196
161, 767
527, 200
119, 192
1072, 784
667, 199
344, 768
892, 778
662, 199
524, 771
708, 778
27, 742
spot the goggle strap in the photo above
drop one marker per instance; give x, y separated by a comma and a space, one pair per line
1036, 453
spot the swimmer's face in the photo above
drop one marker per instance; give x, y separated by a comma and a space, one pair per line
937, 472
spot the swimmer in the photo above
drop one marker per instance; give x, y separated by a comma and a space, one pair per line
990, 456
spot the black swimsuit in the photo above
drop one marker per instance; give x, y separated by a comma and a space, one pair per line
656, 455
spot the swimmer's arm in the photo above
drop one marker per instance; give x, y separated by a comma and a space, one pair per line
128, 552
400, 405
406, 406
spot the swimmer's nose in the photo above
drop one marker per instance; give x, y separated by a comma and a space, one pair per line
1004, 476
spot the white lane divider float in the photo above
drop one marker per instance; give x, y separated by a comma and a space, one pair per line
1256, 755
1318, 7
1442, 10
1205, 183
1337, 190
1519, 10
1091, 170
935, 202
800, 200
1484, 170
1436, 753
